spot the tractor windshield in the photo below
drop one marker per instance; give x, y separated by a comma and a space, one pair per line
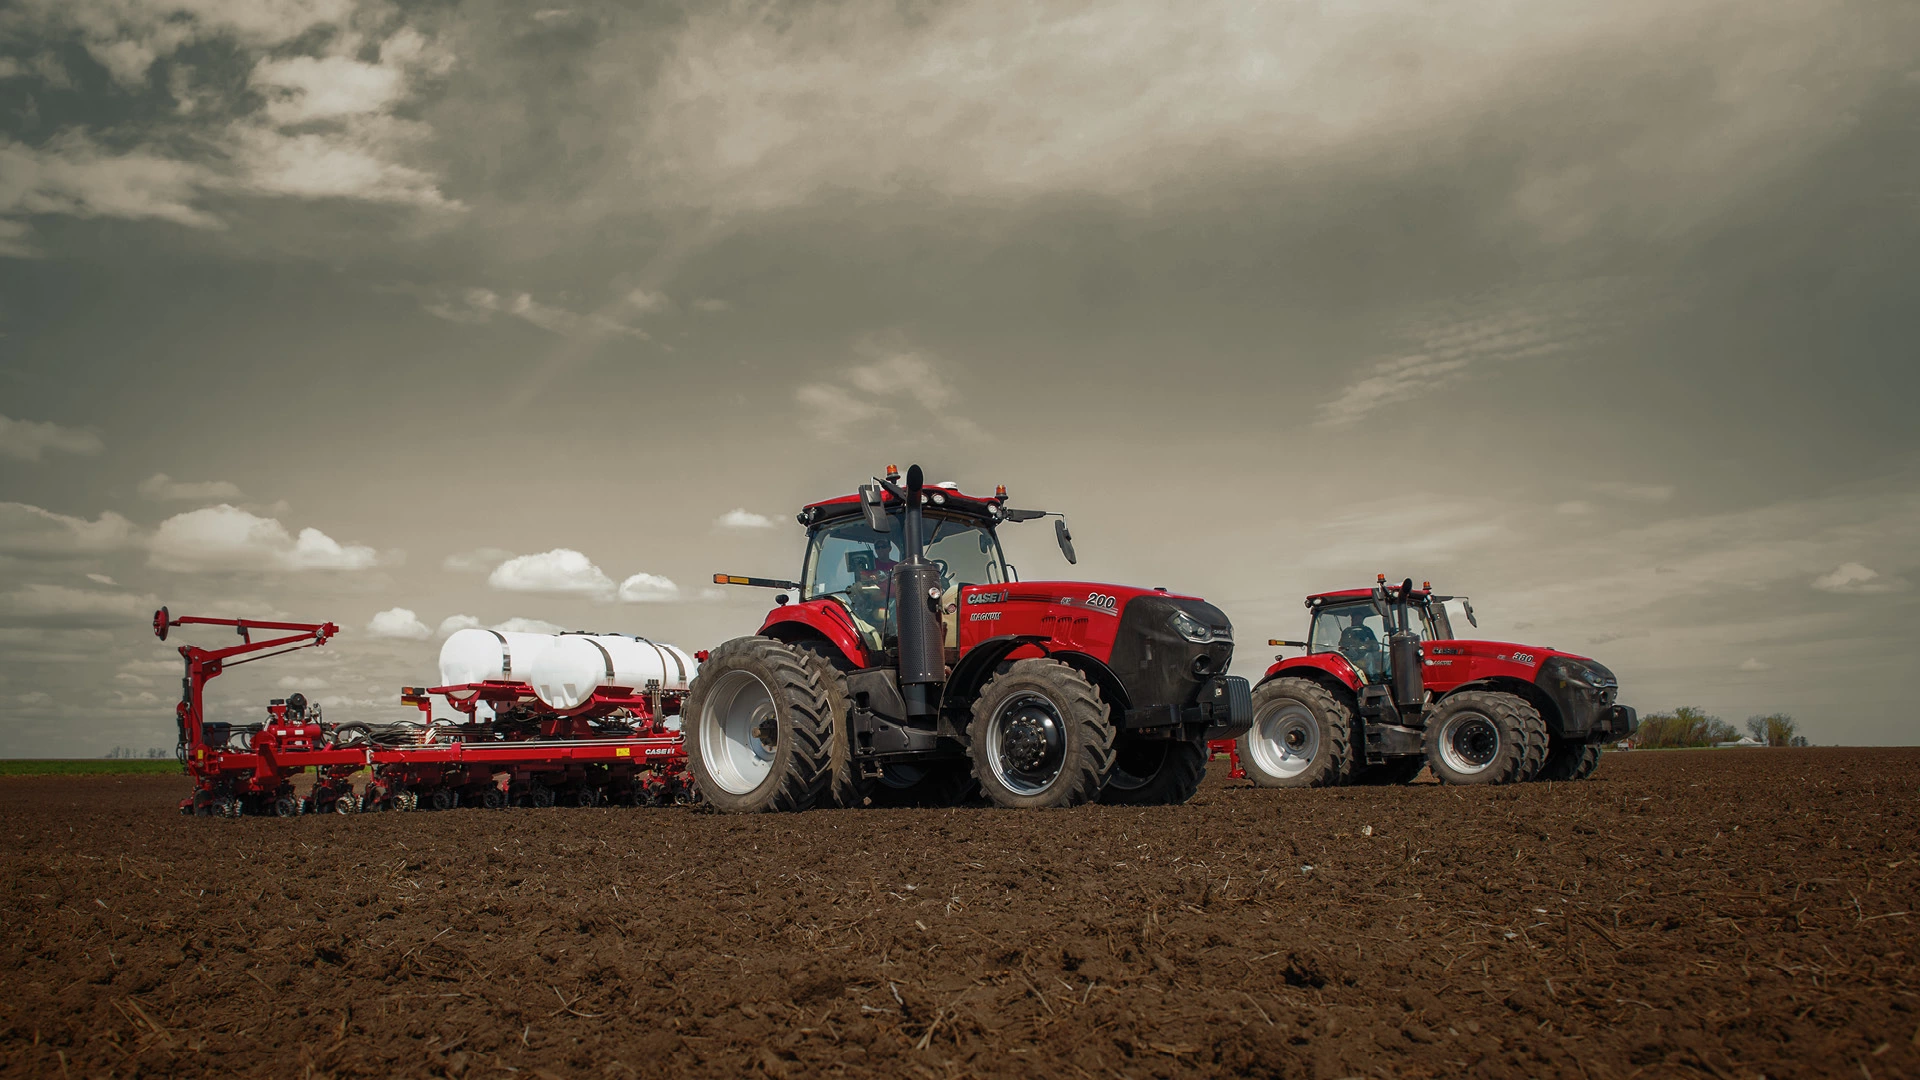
854, 564
1357, 632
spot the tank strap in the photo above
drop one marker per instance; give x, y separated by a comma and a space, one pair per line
605, 656
679, 665
506, 656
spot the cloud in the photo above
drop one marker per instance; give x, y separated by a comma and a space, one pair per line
302, 682
529, 626
58, 607
1575, 506
453, 624
1857, 580
398, 624
1753, 664
314, 121
26, 440
1646, 493
895, 378
300, 89
742, 518
615, 319
226, 538
13, 241
1452, 343
162, 488
72, 175
562, 570
982, 100
648, 589
101, 579
33, 532
479, 560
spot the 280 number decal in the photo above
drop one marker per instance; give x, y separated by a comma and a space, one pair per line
1103, 602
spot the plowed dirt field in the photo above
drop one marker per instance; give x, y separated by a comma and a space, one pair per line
1712, 913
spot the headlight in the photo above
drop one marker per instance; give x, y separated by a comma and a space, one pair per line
1191, 628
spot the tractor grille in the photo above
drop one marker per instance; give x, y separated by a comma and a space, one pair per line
1156, 664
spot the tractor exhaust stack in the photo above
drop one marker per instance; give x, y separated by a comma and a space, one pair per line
916, 597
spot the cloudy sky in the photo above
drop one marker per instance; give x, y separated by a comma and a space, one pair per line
414, 317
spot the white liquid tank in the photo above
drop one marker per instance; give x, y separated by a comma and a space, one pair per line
566, 675
471, 656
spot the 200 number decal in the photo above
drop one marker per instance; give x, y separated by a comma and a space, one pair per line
1103, 602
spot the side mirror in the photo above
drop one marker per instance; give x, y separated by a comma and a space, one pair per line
1065, 537
1467, 606
874, 510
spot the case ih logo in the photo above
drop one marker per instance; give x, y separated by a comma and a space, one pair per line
987, 598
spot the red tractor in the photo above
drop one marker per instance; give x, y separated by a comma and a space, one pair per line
1385, 689
915, 668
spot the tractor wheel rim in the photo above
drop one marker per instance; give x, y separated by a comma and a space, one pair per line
1469, 743
1026, 744
739, 732
1285, 739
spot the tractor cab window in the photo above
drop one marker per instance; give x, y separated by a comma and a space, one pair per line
854, 565
1355, 631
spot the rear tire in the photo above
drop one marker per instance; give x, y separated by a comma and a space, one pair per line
1301, 737
1566, 760
1040, 737
1155, 773
758, 729
1481, 737
844, 788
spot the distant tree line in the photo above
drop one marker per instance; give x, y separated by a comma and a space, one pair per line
1689, 726
127, 752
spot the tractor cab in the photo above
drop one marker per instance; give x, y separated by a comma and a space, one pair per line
851, 564
1355, 624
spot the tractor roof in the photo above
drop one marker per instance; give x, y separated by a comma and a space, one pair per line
945, 496
1337, 595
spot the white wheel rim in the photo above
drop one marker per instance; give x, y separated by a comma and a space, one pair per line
733, 721
1284, 740
1469, 743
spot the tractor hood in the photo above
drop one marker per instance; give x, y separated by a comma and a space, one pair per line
1162, 646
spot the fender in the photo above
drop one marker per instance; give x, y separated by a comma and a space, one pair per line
819, 619
1329, 664
1112, 690
976, 667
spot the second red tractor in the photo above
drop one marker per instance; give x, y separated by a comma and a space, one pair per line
1385, 689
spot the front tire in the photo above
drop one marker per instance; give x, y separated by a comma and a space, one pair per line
1480, 737
758, 729
1302, 737
1040, 737
1155, 773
